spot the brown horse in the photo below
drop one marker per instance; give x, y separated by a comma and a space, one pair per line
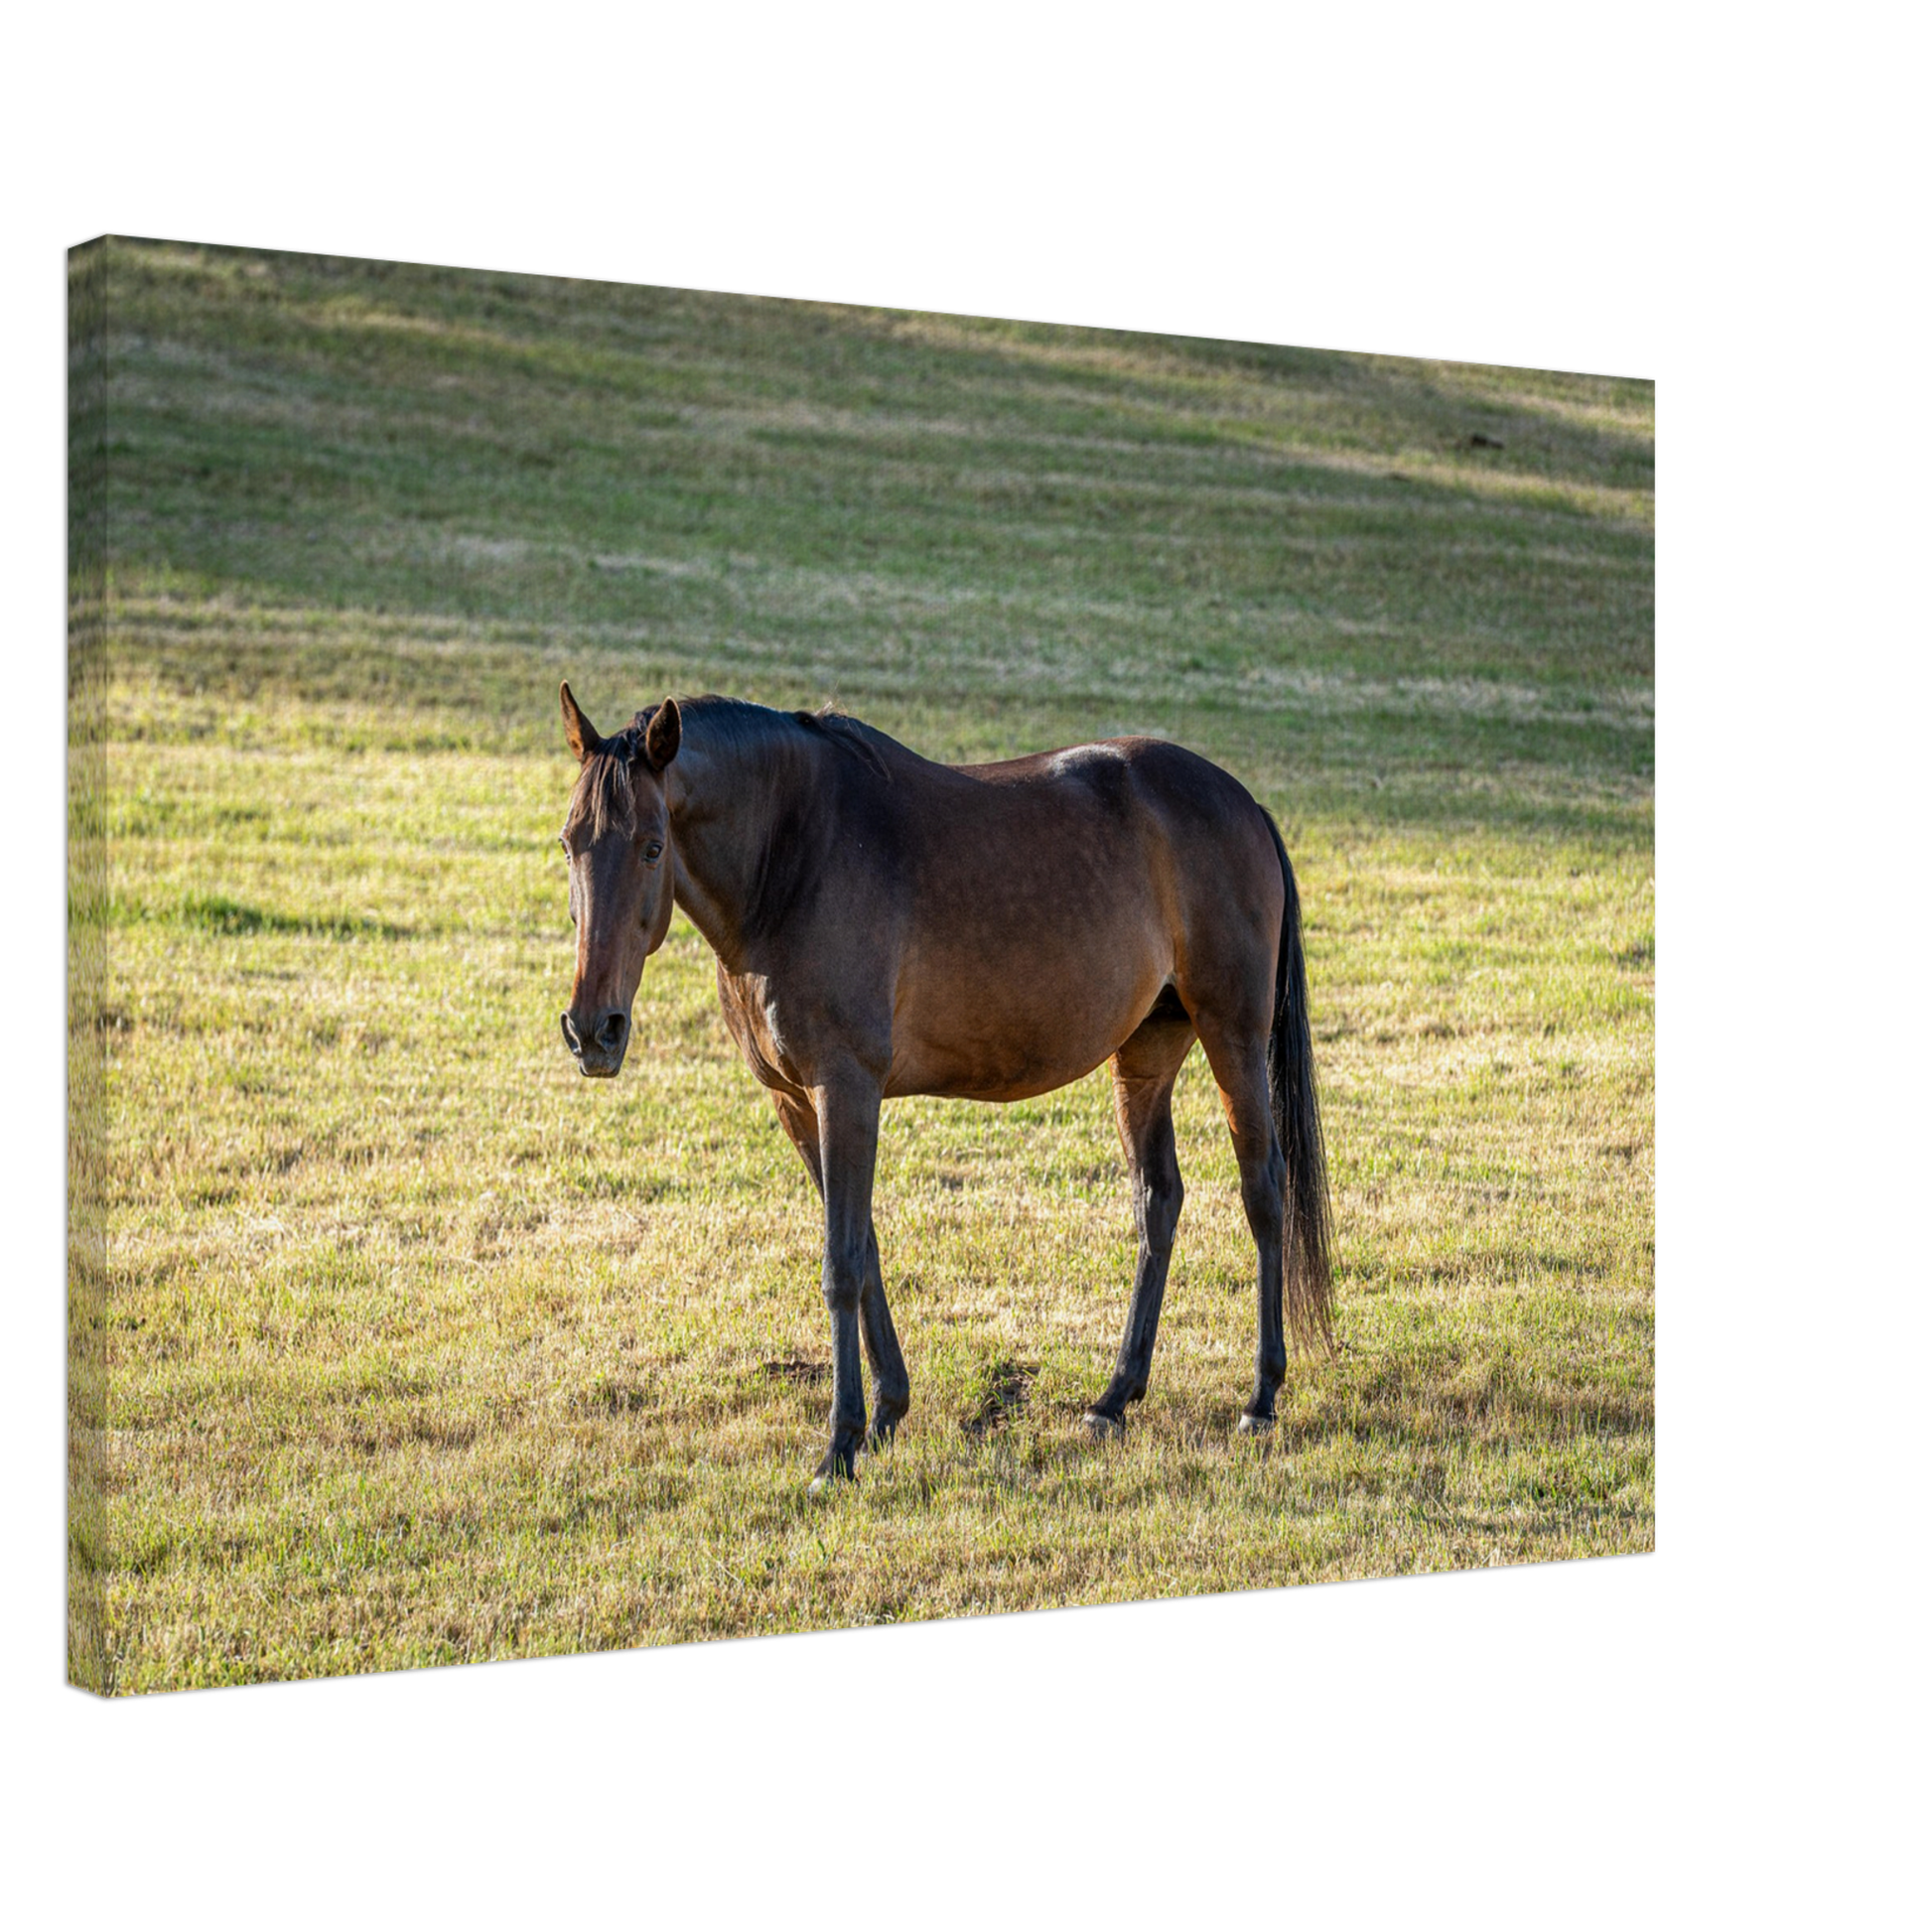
885, 925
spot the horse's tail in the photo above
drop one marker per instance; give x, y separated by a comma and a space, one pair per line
1298, 1121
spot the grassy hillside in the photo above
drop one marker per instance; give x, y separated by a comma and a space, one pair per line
398, 1342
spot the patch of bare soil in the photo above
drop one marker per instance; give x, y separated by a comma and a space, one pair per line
800, 1374
1008, 1393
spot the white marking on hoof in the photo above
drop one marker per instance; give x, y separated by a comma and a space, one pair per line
1254, 1424
1104, 1429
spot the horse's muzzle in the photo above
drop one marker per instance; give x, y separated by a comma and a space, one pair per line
598, 1051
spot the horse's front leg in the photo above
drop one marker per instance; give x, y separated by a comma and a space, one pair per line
847, 1105
891, 1390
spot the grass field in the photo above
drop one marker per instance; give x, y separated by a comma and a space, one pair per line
397, 1342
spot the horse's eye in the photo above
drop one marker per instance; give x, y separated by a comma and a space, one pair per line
653, 852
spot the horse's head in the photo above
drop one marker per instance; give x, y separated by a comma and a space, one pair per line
618, 839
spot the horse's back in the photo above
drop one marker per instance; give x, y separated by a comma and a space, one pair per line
1147, 809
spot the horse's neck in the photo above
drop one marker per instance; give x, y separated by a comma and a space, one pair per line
728, 799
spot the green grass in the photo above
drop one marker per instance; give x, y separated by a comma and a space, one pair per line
396, 1342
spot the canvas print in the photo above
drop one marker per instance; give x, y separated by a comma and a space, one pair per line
746, 966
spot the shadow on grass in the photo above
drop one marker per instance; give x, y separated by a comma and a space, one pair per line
231, 919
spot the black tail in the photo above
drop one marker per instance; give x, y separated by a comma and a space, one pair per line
1298, 1120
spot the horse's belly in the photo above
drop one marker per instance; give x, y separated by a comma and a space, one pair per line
1008, 1036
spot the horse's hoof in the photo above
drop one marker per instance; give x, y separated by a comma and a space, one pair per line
1254, 1424
836, 1468
1104, 1429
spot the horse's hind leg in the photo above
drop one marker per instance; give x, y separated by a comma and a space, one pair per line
892, 1388
1239, 1059
1144, 1076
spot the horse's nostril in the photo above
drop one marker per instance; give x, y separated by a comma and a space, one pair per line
571, 1040
609, 1035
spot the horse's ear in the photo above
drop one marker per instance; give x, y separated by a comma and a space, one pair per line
579, 729
663, 735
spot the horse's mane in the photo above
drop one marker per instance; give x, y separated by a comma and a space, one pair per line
753, 727
849, 734
604, 792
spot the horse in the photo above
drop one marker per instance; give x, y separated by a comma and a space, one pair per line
885, 925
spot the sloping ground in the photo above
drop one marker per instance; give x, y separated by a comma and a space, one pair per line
417, 1347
